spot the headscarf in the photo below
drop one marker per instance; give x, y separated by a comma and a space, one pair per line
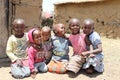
30, 35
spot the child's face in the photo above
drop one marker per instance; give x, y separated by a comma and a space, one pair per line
37, 37
19, 29
46, 35
74, 27
87, 28
60, 30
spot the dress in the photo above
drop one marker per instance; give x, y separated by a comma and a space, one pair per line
97, 61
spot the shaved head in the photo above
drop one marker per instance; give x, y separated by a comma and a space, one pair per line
18, 21
74, 20
89, 22
46, 29
55, 27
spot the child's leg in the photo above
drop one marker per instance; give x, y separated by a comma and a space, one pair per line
90, 70
16, 71
42, 67
26, 71
75, 63
96, 62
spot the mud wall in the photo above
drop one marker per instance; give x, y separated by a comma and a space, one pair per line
29, 10
105, 14
3, 28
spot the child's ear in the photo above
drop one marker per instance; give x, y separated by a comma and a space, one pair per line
55, 31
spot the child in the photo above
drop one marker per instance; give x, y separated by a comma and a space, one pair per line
46, 34
94, 59
36, 52
16, 50
60, 55
78, 44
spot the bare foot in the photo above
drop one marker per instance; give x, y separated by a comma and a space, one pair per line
33, 75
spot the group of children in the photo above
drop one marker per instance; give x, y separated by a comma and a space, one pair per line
39, 50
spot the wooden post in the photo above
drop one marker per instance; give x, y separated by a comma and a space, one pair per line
3, 28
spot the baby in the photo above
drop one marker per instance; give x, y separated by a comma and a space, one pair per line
94, 57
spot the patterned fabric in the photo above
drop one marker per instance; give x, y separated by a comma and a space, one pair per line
75, 63
14, 48
97, 61
78, 43
60, 48
60, 55
57, 67
48, 46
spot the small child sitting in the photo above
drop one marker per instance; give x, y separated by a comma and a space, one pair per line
78, 44
94, 57
16, 50
60, 55
47, 42
36, 52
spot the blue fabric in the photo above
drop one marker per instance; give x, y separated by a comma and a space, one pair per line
41, 67
19, 72
60, 48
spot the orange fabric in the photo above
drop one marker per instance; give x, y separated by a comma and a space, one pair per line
57, 67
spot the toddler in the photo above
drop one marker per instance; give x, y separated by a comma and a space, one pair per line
78, 44
36, 52
94, 57
16, 50
47, 42
60, 55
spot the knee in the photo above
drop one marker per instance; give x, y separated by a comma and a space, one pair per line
45, 69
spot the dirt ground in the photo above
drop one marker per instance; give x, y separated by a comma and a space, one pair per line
111, 48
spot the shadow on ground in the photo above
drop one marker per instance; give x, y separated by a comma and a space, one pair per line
4, 62
73, 75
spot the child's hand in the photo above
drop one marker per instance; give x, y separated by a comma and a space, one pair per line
33, 74
84, 54
92, 55
19, 62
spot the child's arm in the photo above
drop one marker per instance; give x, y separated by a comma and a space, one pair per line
98, 50
9, 50
87, 53
31, 57
93, 52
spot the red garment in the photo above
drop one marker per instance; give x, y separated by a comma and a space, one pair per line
78, 43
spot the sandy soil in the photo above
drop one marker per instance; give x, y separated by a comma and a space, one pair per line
111, 48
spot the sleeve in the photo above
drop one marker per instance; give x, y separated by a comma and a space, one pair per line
31, 60
9, 50
69, 43
97, 39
